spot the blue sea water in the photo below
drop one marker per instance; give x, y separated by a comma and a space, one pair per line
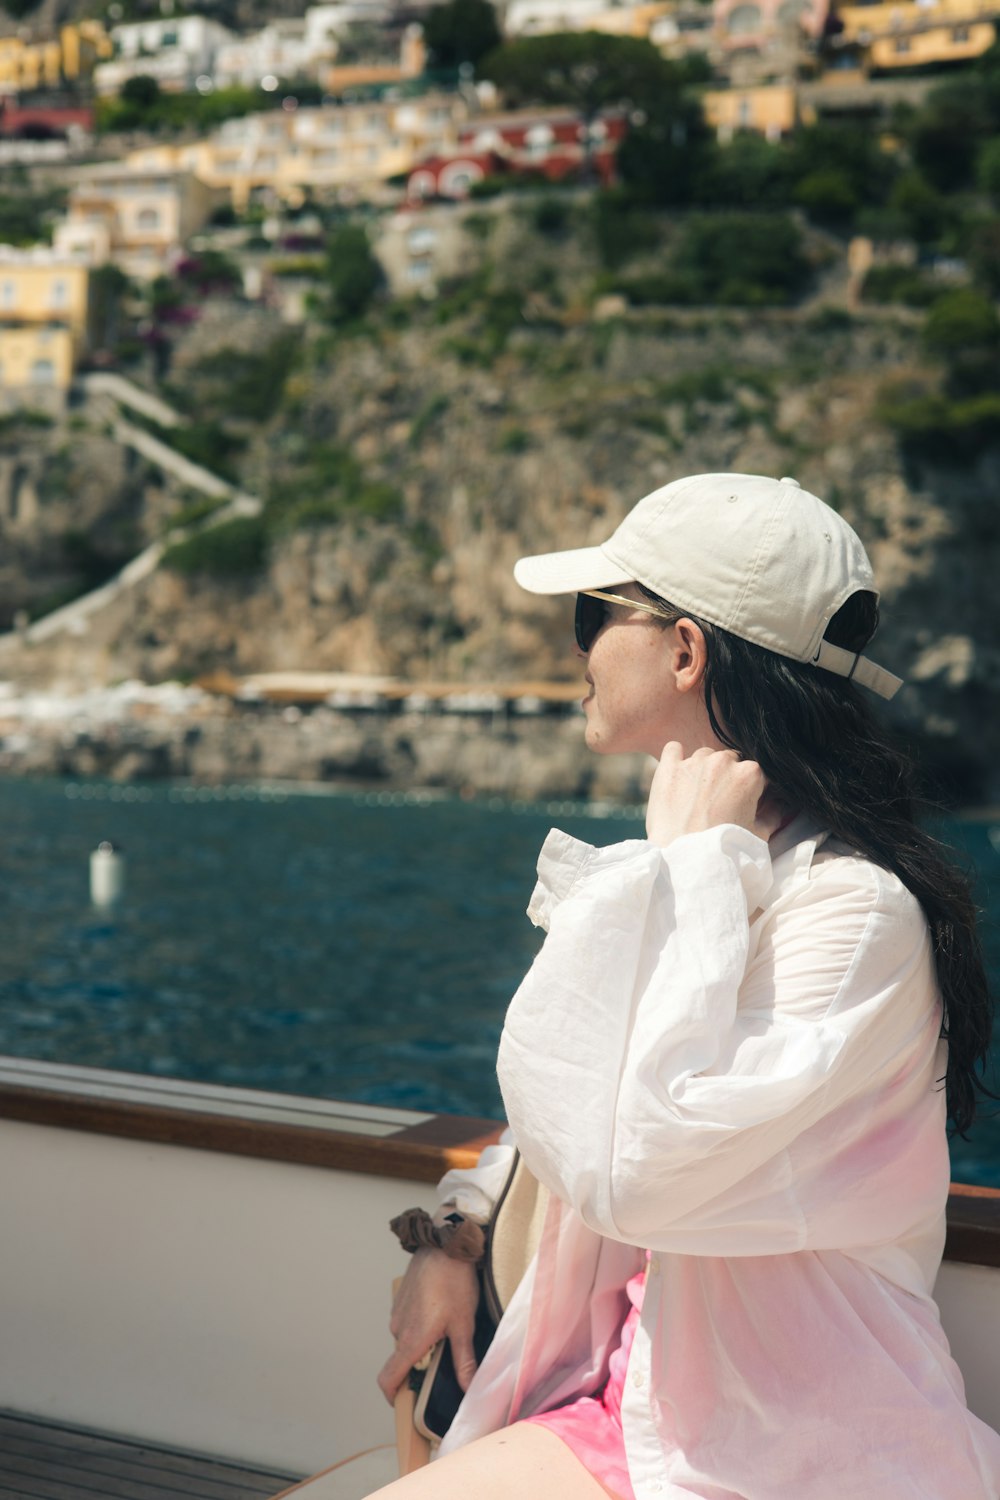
359, 947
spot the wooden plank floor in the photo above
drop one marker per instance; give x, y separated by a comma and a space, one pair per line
41, 1461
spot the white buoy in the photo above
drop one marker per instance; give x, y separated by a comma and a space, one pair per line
107, 874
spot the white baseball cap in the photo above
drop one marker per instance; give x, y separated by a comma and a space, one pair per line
759, 557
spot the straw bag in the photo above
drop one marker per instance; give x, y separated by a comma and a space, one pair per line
512, 1237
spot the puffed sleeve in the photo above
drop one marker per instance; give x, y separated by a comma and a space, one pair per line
663, 1063
474, 1190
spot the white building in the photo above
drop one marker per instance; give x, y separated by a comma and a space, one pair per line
279, 50
176, 51
326, 23
537, 17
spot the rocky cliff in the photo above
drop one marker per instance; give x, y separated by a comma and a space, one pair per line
454, 439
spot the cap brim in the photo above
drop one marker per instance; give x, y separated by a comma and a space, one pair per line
568, 572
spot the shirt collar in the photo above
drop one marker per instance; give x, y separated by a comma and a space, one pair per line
792, 853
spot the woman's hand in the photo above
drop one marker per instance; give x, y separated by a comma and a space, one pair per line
705, 789
437, 1299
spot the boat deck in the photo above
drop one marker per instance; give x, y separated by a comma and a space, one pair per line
42, 1461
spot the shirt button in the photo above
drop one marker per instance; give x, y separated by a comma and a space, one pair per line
654, 1266
637, 1379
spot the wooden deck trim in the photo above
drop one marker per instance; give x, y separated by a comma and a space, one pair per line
973, 1225
420, 1152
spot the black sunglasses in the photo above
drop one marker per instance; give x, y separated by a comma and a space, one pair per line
592, 613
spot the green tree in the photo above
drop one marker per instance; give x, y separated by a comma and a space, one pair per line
944, 136
828, 195
352, 274
963, 330
18, 9
662, 156
746, 172
460, 31
834, 164
142, 91
988, 168
982, 249
923, 211
586, 70
748, 259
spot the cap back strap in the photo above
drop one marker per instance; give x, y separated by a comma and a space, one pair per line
858, 668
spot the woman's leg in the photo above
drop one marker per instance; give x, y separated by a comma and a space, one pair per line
524, 1460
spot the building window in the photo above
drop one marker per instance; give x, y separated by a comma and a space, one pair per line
59, 297
456, 180
43, 372
902, 44
960, 34
7, 294
539, 140
744, 20
147, 218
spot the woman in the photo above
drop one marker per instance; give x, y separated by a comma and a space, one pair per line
728, 1062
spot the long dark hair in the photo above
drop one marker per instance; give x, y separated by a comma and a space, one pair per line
817, 741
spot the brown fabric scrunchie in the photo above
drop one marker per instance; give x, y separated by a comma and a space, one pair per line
459, 1237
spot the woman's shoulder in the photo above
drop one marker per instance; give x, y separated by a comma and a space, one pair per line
838, 872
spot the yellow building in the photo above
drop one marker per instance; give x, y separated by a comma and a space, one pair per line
27, 64
35, 361
45, 318
770, 110
39, 287
138, 212
289, 154
892, 37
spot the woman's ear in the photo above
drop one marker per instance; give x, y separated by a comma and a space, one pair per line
690, 655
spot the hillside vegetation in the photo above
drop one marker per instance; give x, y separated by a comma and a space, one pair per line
595, 345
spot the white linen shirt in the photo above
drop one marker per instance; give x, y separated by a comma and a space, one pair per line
728, 1054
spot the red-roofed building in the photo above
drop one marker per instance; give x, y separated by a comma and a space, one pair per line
43, 121
553, 144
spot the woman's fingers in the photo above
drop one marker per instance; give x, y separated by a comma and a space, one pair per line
437, 1299
392, 1375
463, 1357
703, 790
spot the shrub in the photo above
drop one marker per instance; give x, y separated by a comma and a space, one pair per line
514, 440
983, 252
246, 383
748, 172
828, 195
329, 486
207, 444
196, 508
621, 227
426, 417
743, 259
551, 216
959, 321
922, 209
899, 284
234, 549
353, 275
988, 169
657, 288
